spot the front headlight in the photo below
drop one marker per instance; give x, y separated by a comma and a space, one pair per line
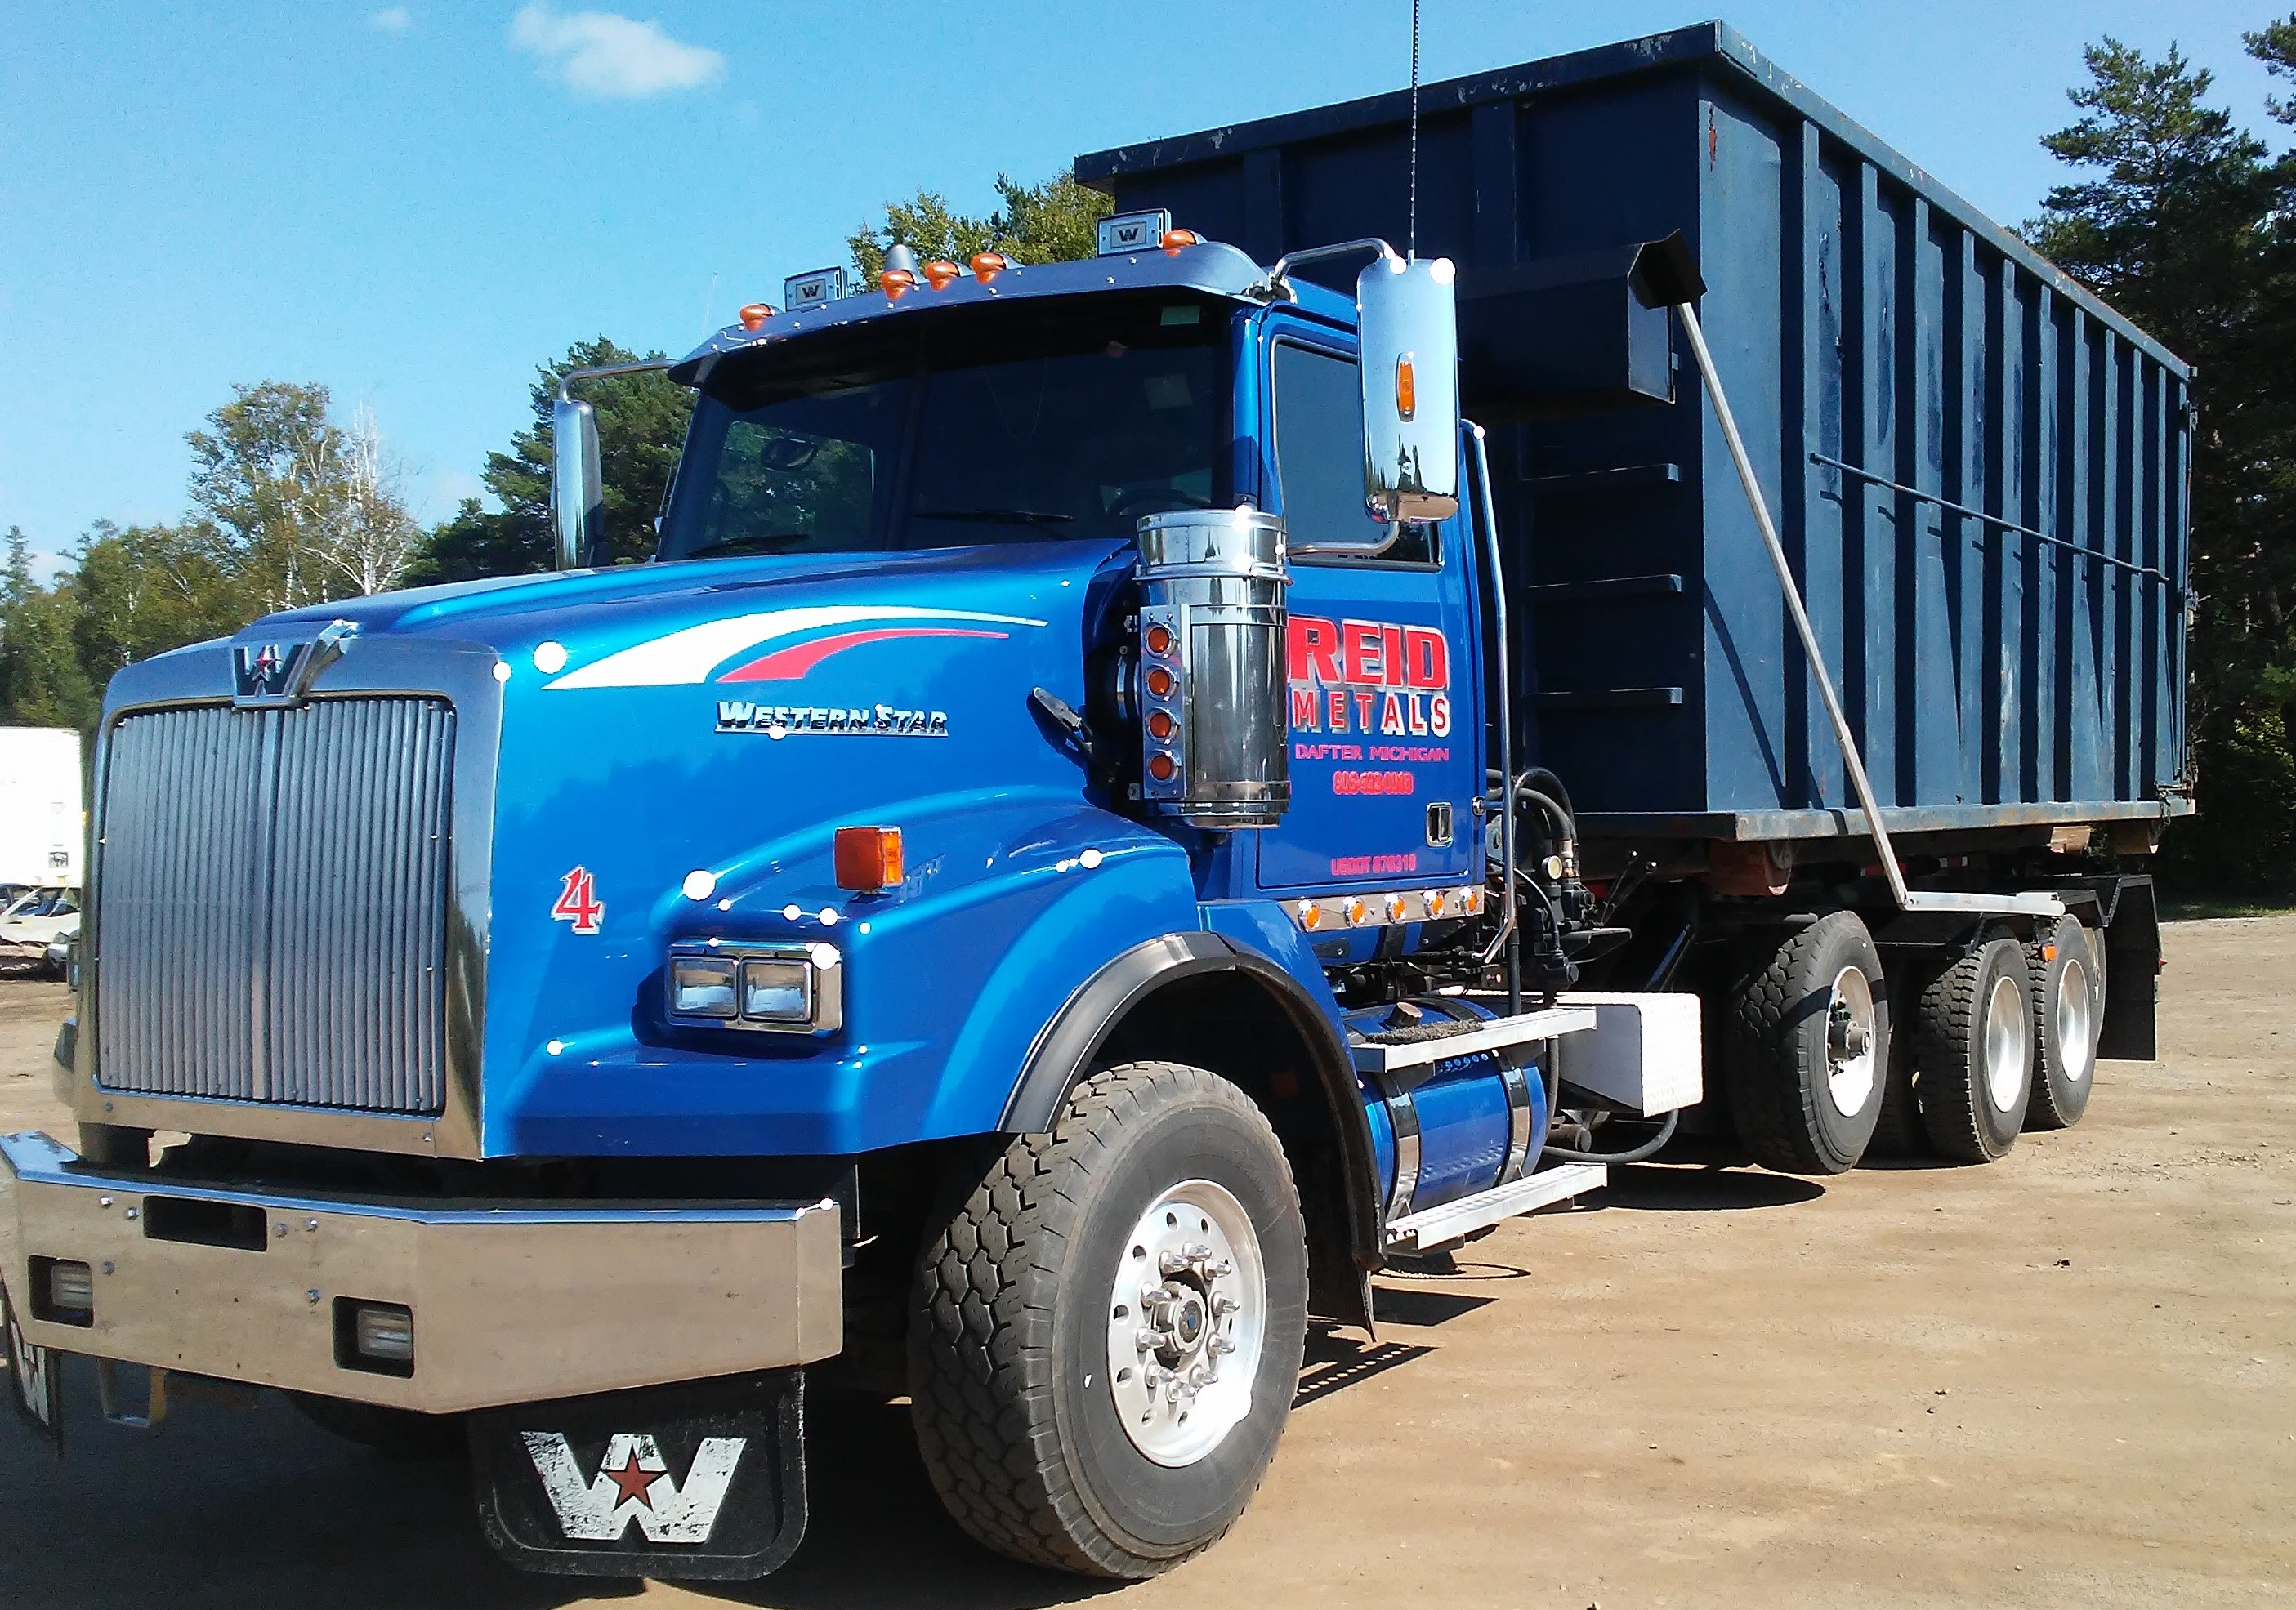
704, 986
779, 988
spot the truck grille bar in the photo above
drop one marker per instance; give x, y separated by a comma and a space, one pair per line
271, 904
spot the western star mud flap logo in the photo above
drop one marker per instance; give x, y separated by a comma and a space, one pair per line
705, 1480
38, 1384
634, 1484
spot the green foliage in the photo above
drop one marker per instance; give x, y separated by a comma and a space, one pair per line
1055, 222
641, 428
288, 507
2187, 224
42, 683
294, 507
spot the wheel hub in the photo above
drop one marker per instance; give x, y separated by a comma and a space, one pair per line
1850, 1029
2008, 1039
2076, 1024
1186, 1315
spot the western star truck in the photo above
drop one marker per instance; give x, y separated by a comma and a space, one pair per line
1488, 633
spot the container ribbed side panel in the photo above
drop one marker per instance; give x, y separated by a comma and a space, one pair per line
356, 996
271, 904
179, 921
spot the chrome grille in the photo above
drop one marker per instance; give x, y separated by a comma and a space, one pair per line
271, 904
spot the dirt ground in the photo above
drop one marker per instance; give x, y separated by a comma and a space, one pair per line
2068, 1379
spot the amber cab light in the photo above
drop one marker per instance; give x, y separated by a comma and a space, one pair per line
893, 281
755, 315
1406, 387
940, 273
988, 265
868, 859
1175, 239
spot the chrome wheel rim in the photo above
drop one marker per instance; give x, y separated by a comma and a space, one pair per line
2076, 1020
1187, 1318
2008, 1045
1851, 1043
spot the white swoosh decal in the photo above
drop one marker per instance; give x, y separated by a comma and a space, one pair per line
689, 655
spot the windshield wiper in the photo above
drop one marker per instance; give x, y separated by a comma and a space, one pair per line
1012, 516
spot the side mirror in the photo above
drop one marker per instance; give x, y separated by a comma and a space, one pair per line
1407, 314
577, 499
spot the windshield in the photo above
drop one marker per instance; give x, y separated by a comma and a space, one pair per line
1014, 423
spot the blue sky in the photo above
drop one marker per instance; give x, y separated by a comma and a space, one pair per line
417, 204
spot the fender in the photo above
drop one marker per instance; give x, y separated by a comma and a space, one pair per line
1064, 1052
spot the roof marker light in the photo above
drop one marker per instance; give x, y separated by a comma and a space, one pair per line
1176, 239
900, 272
755, 315
940, 273
988, 265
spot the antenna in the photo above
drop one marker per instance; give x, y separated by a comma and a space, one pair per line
1411, 231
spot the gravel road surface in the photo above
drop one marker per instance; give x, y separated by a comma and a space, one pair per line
2066, 1378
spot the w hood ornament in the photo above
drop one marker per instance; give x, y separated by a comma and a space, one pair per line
273, 676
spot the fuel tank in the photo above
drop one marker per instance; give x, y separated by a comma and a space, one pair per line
1455, 1126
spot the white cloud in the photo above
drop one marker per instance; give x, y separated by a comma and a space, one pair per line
611, 56
391, 19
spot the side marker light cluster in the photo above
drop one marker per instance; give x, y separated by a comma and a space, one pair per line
1382, 910
1161, 712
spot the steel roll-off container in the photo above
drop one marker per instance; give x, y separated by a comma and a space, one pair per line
1135, 792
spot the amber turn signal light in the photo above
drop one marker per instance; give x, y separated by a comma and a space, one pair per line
1406, 387
1160, 725
868, 859
1161, 767
1159, 681
755, 315
1160, 639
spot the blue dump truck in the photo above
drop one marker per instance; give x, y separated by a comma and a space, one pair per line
1484, 637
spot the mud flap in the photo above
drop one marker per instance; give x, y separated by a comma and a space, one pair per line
701, 1481
36, 1375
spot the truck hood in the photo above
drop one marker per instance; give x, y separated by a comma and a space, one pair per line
602, 607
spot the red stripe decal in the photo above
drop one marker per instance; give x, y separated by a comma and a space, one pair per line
787, 665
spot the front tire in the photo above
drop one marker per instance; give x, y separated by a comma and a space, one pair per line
1156, 1222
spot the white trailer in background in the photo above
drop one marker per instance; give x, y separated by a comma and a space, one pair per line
42, 823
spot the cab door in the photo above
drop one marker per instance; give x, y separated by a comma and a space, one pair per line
1383, 669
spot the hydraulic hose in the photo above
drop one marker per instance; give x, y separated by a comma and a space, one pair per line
1637, 1154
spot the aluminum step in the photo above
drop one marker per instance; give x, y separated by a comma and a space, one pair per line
1433, 1227
1375, 1057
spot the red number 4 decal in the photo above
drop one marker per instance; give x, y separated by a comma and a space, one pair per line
578, 902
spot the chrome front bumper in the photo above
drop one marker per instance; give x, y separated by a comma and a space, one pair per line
512, 1303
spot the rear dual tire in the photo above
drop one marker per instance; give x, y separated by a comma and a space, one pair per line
1806, 1047
1973, 1053
2066, 964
